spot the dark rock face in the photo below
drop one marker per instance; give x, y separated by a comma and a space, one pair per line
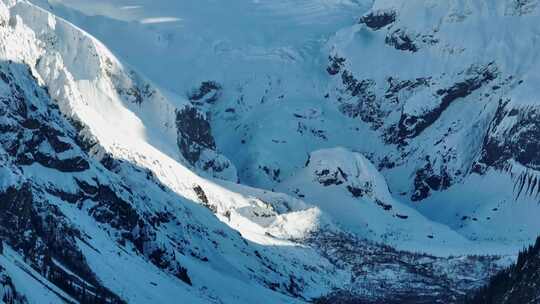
34, 133
272, 173
522, 7
400, 40
364, 104
194, 134
43, 141
403, 40
395, 86
360, 191
335, 65
379, 19
513, 136
137, 94
48, 237
427, 179
356, 192
204, 199
521, 141
386, 112
326, 177
30, 153
383, 205
517, 284
304, 129
356, 87
110, 208
133, 88
197, 145
28, 222
8, 292
477, 76
208, 92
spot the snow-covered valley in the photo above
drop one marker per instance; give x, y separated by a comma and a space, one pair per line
265, 151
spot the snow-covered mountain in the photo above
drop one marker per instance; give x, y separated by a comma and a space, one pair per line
423, 89
264, 151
